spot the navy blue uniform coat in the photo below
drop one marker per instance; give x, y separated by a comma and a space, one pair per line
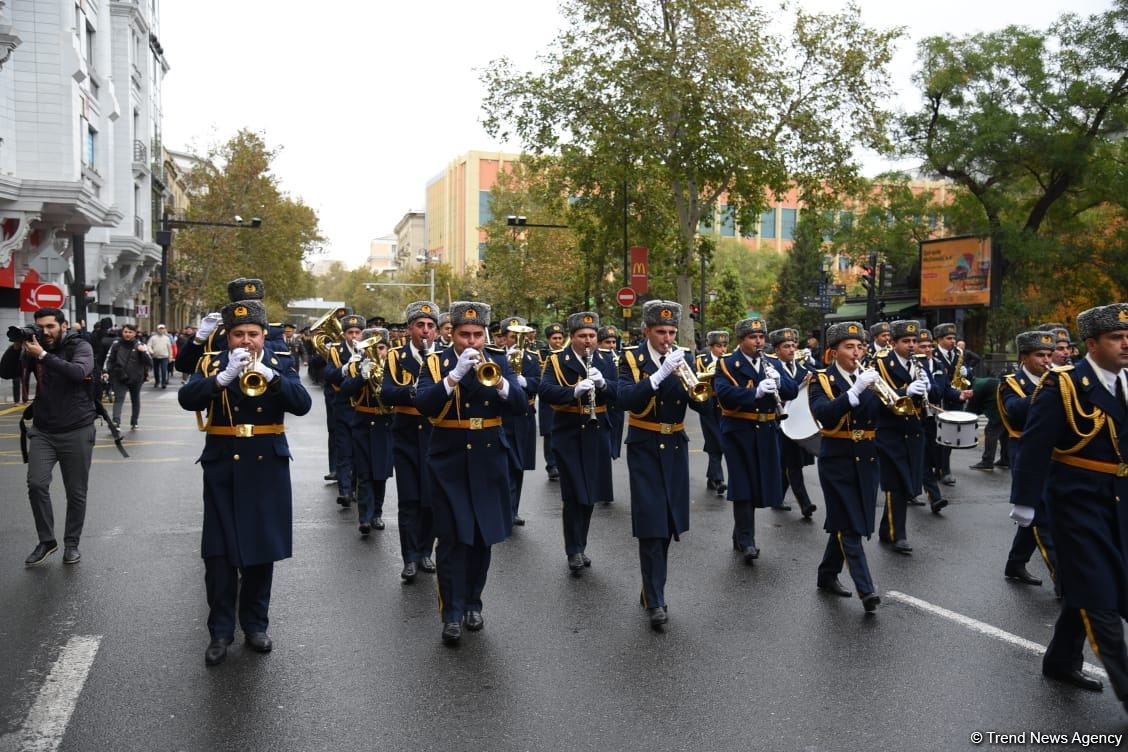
1090, 530
371, 431
583, 452
710, 419
752, 447
848, 470
658, 463
469, 468
248, 514
521, 429
411, 431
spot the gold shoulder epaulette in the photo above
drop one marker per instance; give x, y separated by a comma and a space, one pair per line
1062, 369
631, 347
882, 352
495, 348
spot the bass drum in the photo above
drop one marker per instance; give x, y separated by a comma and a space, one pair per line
957, 429
800, 425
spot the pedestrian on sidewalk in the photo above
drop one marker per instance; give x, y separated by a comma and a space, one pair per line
160, 350
126, 369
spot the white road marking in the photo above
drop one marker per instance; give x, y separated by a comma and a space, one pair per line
982, 628
46, 722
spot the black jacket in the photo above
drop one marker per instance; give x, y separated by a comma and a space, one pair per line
126, 364
63, 391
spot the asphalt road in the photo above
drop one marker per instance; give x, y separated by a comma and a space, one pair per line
754, 657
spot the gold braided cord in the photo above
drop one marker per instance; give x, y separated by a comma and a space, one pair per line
1072, 406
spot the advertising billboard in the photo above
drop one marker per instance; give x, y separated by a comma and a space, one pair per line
955, 272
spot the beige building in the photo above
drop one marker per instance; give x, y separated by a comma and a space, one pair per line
411, 238
382, 254
458, 206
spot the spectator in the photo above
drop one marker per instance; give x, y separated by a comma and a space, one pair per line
983, 402
12, 356
182, 341
127, 368
101, 338
160, 352
62, 430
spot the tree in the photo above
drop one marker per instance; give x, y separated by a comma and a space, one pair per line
1017, 118
236, 179
729, 307
801, 275
704, 97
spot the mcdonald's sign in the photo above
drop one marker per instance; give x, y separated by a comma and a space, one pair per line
640, 269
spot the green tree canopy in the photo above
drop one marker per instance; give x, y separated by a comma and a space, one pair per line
235, 179
709, 98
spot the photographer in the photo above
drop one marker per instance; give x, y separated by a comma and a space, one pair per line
126, 369
62, 430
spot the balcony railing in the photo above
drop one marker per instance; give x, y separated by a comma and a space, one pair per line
140, 151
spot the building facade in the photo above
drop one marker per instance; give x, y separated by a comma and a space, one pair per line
457, 206
81, 168
382, 254
411, 239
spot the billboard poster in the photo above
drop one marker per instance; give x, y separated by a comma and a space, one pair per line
955, 272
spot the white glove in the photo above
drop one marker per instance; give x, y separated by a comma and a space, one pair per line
918, 388
1024, 516
596, 377
207, 325
865, 380
522, 381
963, 371
267, 372
366, 369
667, 367
236, 362
584, 387
767, 386
356, 357
466, 362
771, 373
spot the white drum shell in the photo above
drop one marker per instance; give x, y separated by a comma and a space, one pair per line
957, 429
800, 425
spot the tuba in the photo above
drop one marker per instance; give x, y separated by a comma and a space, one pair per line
251, 382
325, 332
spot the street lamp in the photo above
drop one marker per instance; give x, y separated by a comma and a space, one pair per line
164, 240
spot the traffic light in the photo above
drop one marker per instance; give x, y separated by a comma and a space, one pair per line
83, 294
867, 278
886, 276
694, 311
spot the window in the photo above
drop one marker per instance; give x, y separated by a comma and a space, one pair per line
728, 221
484, 213
88, 43
767, 224
787, 224
89, 135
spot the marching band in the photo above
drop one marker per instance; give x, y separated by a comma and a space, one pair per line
453, 416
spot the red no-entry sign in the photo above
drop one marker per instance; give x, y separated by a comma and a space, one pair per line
626, 297
47, 296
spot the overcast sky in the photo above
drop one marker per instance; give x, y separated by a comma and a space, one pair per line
369, 100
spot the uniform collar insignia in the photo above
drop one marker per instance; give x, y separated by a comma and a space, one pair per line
641, 358
1085, 381
446, 363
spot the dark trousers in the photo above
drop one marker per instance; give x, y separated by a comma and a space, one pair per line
134, 401
410, 520
330, 426
577, 520
653, 554
1027, 540
1105, 632
846, 547
160, 371
793, 479
222, 581
893, 517
462, 574
715, 471
370, 499
549, 456
71, 451
744, 524
516, 483
944, 457
343, 454
991, 434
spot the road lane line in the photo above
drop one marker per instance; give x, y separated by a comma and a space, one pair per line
46, 722
982, 627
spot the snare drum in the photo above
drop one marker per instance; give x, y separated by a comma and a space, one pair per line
957, 429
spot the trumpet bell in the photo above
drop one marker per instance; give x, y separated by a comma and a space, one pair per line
700, 391
251, 382
488, 373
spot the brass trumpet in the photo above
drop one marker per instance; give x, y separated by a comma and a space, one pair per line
896, 403
251, 382
699, 391
488, 372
